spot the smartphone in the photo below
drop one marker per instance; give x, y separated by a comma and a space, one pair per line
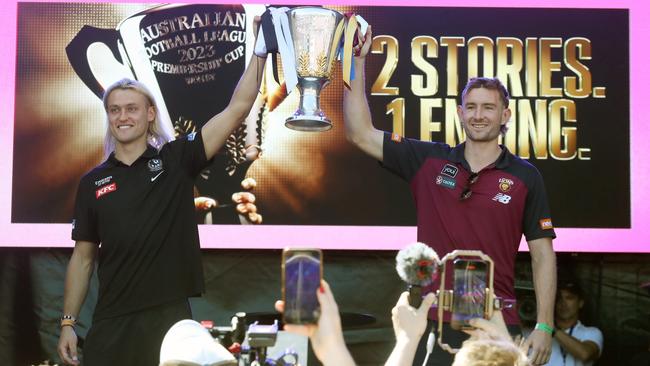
302, 272
469, 292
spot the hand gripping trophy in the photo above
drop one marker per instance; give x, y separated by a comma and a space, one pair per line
309, 40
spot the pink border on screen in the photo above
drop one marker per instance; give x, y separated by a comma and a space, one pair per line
634, 240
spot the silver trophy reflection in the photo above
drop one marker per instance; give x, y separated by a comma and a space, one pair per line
316, 34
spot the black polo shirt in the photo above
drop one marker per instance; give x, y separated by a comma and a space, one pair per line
508, 199
142, 217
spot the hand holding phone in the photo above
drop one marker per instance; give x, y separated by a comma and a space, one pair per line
469, 293
302, 273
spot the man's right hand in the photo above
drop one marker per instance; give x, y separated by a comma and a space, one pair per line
68, 346
363, 43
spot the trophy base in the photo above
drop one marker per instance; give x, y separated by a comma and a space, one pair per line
308, 123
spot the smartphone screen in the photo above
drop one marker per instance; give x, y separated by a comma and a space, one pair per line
469, 292
301, 277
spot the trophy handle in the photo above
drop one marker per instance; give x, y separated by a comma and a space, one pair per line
77, 53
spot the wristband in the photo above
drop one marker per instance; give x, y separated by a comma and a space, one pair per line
545, 328
68, 321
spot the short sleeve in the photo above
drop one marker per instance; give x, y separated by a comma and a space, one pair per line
537, 214
596, 336
84, 220
191, 152
404, 156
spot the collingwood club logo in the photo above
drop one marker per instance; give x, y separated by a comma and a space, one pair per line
155, 165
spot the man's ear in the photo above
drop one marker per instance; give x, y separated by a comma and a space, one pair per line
507, 113
151, 113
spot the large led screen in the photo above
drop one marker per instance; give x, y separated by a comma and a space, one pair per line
575, 74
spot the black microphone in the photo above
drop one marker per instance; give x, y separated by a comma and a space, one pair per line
417, 265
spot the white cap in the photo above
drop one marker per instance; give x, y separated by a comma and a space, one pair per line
187, 341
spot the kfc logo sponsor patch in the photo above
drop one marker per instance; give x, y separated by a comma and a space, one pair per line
105, 190
449, 170
395, 137
545, 224
505, 184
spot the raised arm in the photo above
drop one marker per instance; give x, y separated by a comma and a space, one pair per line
218, 128
77, 280
409, 324
358, 122
544, 279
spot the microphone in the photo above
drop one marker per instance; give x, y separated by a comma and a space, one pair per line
417, 265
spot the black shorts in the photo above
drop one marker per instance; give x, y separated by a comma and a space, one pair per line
132, 339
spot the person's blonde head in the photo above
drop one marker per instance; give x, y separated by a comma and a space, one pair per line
156, 134
490, 352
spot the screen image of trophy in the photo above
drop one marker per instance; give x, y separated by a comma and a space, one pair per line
316, 34
191, 57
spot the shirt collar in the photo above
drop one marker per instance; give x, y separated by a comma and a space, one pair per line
149, 153
457, 155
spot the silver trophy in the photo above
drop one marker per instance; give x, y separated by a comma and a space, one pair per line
316, 34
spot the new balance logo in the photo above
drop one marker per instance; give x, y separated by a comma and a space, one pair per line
503, 198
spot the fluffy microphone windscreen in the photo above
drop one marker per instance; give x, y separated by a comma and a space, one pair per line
417, 264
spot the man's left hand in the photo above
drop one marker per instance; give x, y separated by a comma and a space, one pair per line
539, 345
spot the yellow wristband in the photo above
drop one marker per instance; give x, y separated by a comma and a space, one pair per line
68, 323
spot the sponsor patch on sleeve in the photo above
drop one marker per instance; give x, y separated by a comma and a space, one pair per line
545, 224
395, 137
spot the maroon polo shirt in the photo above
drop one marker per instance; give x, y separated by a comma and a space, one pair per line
507, 200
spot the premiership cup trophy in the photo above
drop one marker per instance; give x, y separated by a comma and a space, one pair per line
316, 34
191, 58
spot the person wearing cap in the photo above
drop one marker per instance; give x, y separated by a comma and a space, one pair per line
573, 342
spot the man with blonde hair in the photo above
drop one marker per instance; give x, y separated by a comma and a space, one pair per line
134, 216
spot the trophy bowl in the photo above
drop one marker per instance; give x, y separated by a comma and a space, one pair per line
316, 34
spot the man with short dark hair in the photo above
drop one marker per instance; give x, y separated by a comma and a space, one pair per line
573, 342
476, 195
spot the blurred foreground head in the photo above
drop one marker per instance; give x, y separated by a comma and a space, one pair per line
490, 352
187, 343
